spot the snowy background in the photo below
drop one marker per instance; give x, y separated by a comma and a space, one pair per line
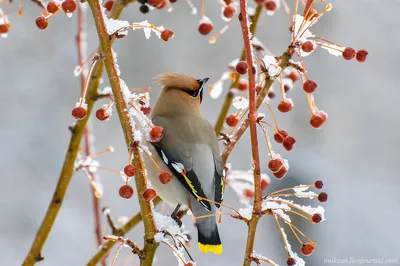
355, 154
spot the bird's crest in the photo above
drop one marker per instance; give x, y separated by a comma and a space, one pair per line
177, 80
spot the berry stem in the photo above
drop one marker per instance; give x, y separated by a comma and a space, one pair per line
152, 159
281, 231
202, 8
88, 79
269, 145
295, 234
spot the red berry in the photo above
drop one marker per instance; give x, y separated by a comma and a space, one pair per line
288, 143
316, 218
126, 191
68, 6
258, 89
319, 184
228, 2
286, 87
293, 75
102, 114
149, 194
41, 22
241, 67
275, 165
154, 3
279, 137
146, 110
271, 94
307, 47
318, 119
291, 262
173, 1
205, 28
162, 5
271, 5
285, 106
108, 5
167, 34
264, 184
323, 197
79, 112
165, 177
242, 85
348, 53
307, 249
229, 11
189, 263
309, 86
52, 7
259, 1
156, 133
248, 193
232, 120
281, 173
130, 170
4, 28
361, 55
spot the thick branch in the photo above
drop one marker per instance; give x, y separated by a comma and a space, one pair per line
34, 255
122, 110
229, 96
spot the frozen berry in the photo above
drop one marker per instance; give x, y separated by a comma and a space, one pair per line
242, 85
279, 137
130, 170
361, 55
167, 34
144, 9
232, 120
271, 94
149, 194
248, 193
41, 22
146, 110
288, 143
275, 165
316, 218
241, 67
126, 191
108, 5
154, 3
309, 86
293, 75
4, 28
229, 11
52, 7
307, 47
323, 197
205, 28
271, 5
348, 53
291, 262
156, 133
102, 114
318, 119
69, 6
307, 249
285, 106
165, 177
319, 184
264, 184
281, 173
79, 112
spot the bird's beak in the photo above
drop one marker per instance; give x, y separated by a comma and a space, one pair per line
202, 82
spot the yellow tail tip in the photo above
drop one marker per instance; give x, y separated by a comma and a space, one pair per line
216, 249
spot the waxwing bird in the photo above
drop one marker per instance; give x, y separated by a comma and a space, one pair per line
189, 150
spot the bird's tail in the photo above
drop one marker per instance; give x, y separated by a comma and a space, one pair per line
208, 235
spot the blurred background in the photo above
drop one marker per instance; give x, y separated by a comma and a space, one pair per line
355, 153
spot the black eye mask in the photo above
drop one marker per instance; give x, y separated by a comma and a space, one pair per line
199, 91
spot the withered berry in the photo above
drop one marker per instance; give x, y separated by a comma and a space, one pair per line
126, 191
288, 143
205, 28
285, 106
279, 137
271, 94
309, 86
307, 47
167, 34
241, 67
291, 262
361, 55
41, 22
323, 197
232, 120
258, 89
149, 194
156, 133
52, 7
307, 249
130, 170
165, 177
79, 112
348, 53
319, 184
316, 218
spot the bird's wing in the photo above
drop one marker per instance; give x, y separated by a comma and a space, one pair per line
219, 185
192, 163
